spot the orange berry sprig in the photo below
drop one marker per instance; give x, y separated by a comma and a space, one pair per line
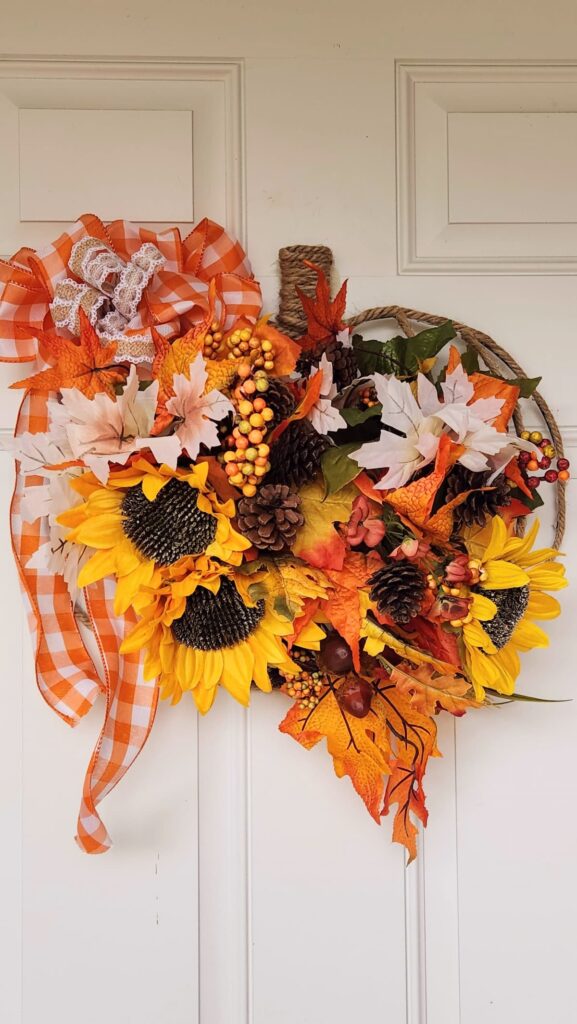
259, 352
246, 461
211, 341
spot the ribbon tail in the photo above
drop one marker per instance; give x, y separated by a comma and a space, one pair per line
130, 711
65, 673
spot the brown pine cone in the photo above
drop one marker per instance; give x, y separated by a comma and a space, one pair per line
480, 505
271, 518
345, 368
280, 399
398, 590
296, 457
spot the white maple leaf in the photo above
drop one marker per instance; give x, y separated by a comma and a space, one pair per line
56, 554
196, 414
323, 416
36, 451
102, 430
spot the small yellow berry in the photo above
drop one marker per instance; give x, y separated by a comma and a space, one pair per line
249, 490
236, 480
246, 469
251, 454
229, 456
262, 384
525, 434
268, 364
266, 345
267, 415
246, 334
263, 450
245, 408
256, 420
535, 436
244, 427
260, 470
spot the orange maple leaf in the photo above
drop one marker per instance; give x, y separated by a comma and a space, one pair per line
393, 741
324, 317
489, 387
343, 607
86, 364
430, 692
359, 747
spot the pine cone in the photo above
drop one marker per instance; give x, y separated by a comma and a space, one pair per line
480, 505
296, 457
280, 399
398, 590
271, 518
345, 367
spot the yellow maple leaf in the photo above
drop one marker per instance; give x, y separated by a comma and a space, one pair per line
317, 541
291, 584
429, 691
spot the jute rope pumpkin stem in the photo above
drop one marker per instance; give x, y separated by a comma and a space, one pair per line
294, 273
495, 357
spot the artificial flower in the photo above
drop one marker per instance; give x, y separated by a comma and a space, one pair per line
512, 593
364, 527
323, 415
147, 517
220, 638
196, 413
56, 554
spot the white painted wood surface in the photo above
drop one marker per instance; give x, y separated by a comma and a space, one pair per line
246, 884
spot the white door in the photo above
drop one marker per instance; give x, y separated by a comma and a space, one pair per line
247, 885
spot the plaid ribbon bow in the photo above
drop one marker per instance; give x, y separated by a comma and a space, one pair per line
176, 297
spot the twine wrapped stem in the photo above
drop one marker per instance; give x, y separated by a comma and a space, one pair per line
294, 273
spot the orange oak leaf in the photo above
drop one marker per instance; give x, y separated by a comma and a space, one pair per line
359, 747
343, 606
317, 541
86, 364
430, 692
310, 397
324, 316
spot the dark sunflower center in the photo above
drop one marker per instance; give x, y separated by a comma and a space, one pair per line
214, 621
511, 607
170, 526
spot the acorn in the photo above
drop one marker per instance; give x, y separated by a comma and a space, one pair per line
354, 696
335, 655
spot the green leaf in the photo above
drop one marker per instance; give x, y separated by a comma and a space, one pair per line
401, 356
526, 385
470, 360
354, 417
338, 468
506, 699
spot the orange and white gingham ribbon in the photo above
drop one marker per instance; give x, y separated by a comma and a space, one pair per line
66, 675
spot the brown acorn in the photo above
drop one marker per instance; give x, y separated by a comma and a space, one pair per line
354, 696
335, 655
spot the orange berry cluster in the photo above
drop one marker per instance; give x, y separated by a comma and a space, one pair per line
212, 340
306, 687
259, 352
246, 461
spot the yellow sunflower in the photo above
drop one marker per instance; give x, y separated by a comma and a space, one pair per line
146, 518
513, 580
203, 631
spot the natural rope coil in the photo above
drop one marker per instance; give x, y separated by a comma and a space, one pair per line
294, 273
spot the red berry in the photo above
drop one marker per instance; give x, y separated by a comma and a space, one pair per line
563, 463
524, 458
355, 696
544, 443
336, 655
533, 482
551, 476
545, 462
